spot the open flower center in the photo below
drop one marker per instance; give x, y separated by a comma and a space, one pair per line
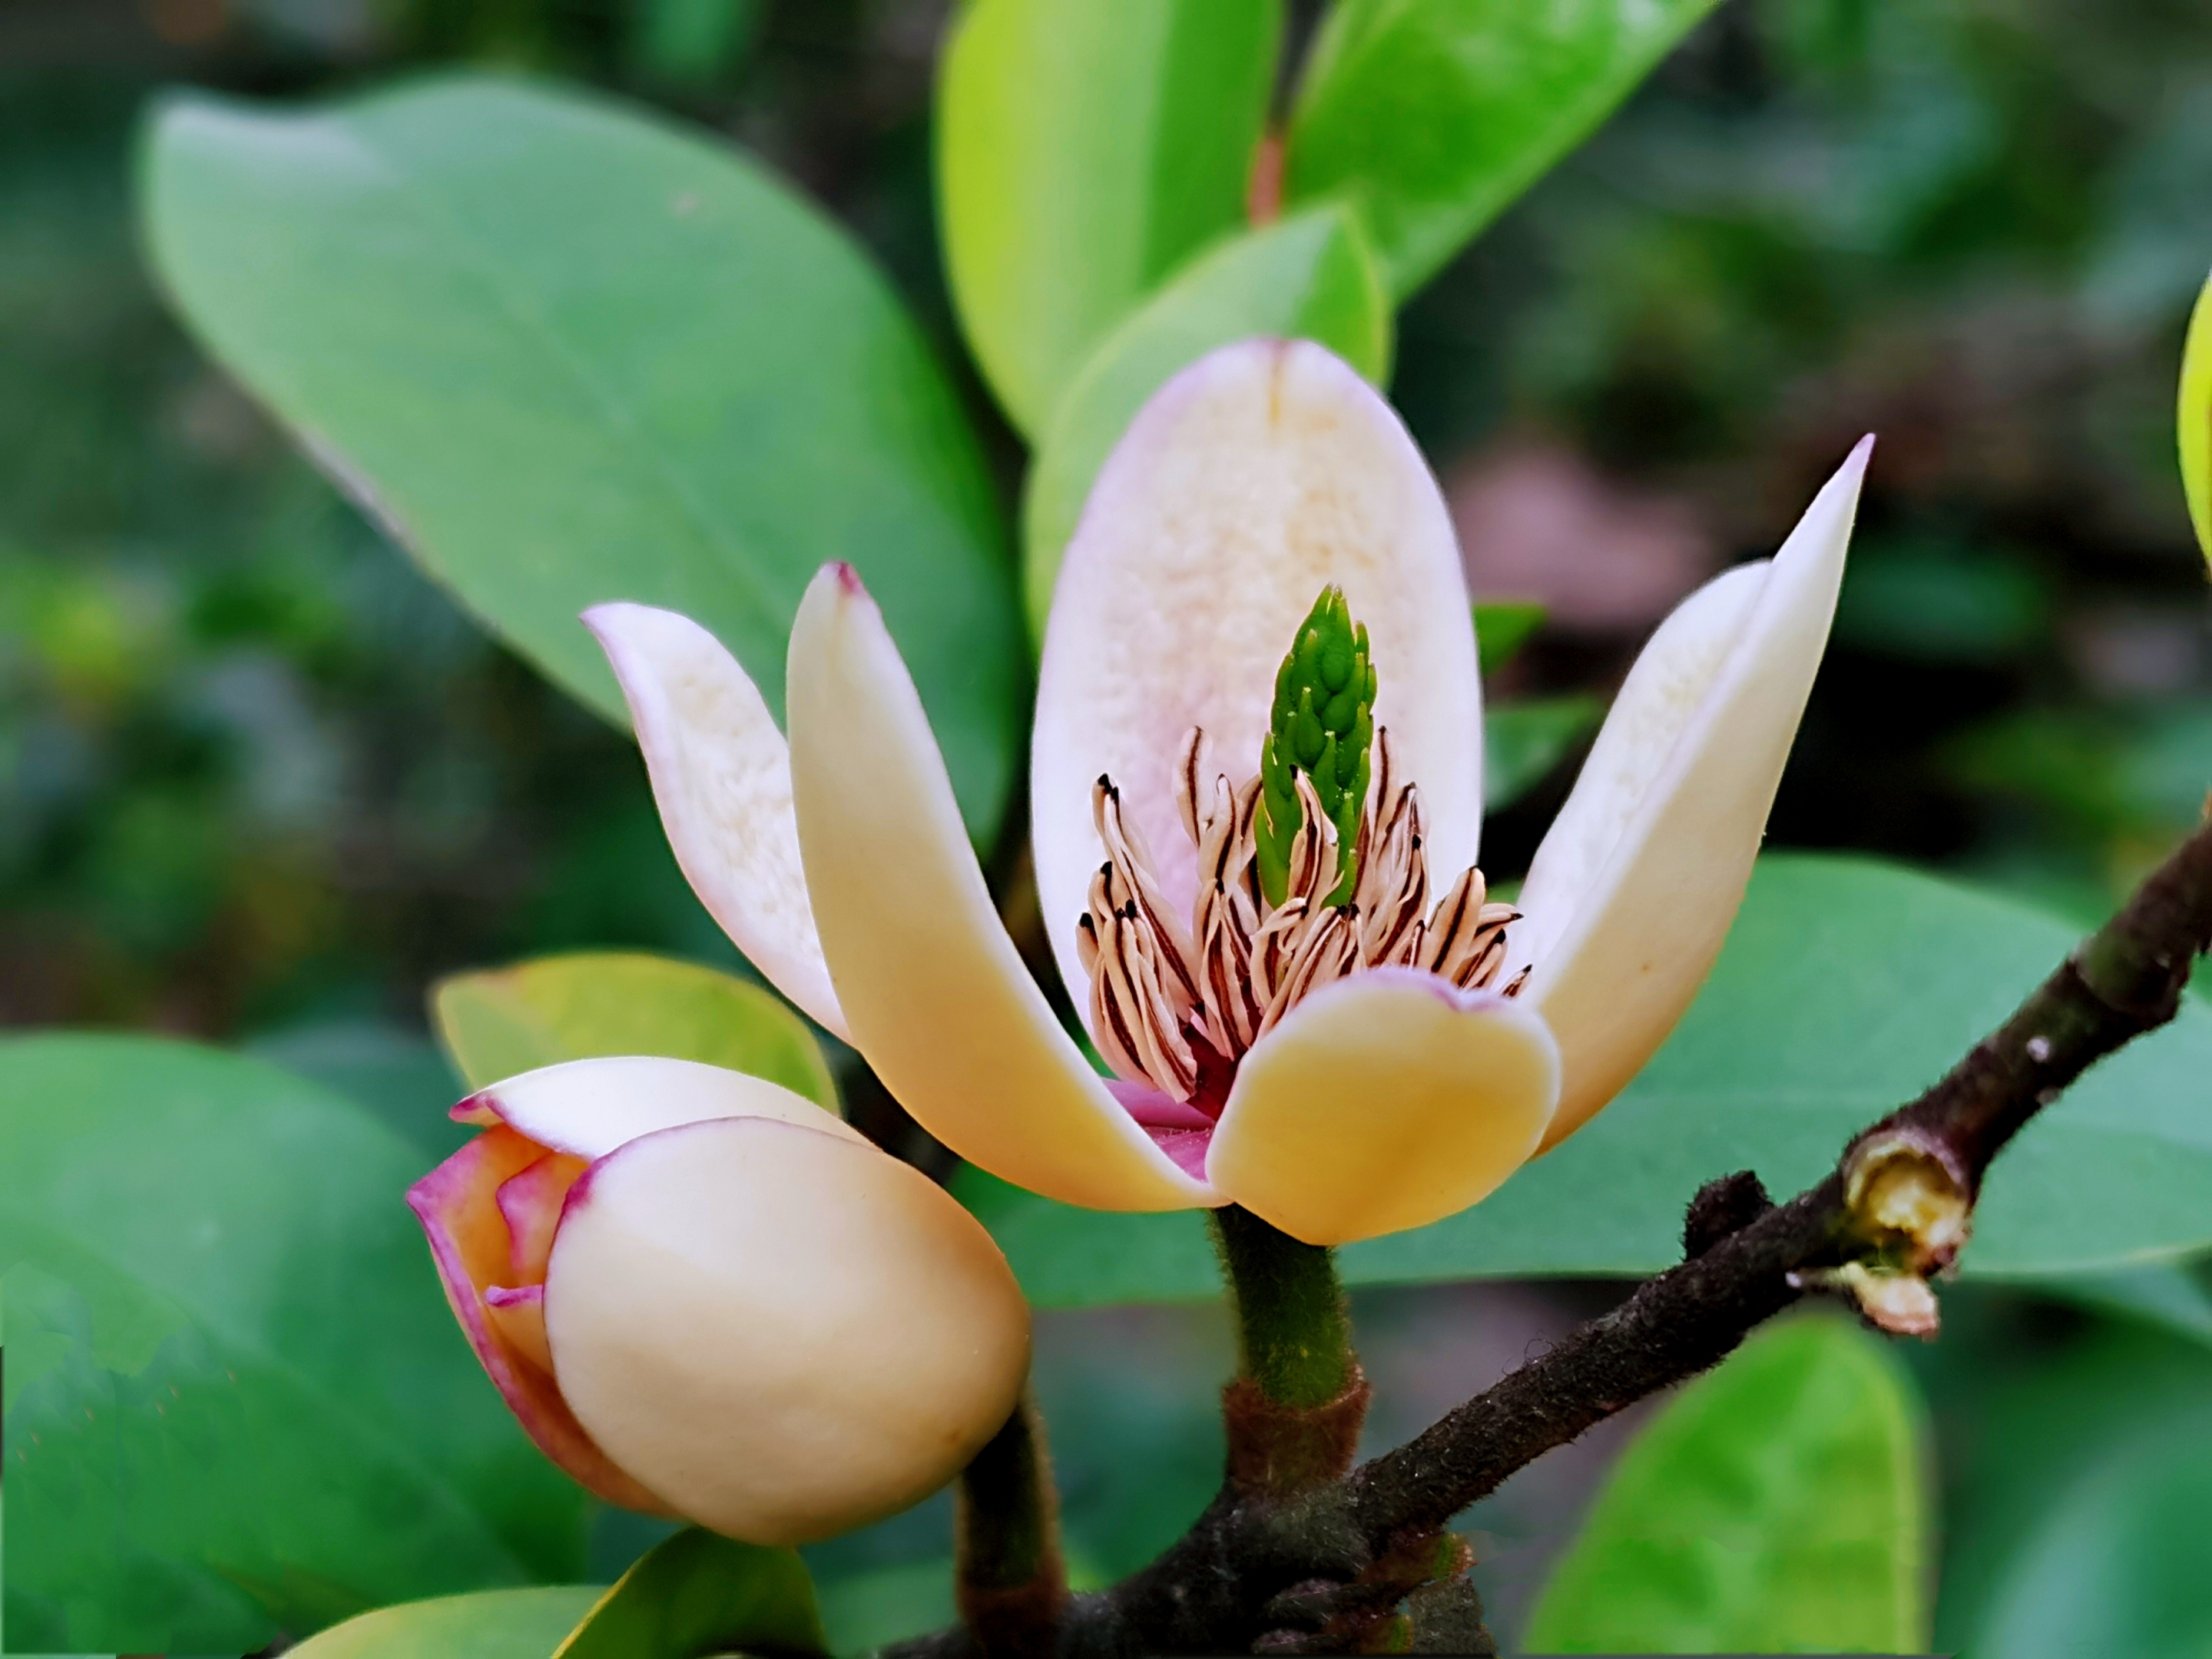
1177, 1003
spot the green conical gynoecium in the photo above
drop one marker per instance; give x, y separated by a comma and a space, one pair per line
1322, 725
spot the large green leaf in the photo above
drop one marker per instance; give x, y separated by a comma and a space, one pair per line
698, 1594
518, 1623
2115, 1564
1777, 1506
503, 1021
1085, 149
1311, 277
566, 353
1847, 986
236, 1401
1435, 114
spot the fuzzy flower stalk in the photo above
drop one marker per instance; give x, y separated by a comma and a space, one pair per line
1256, 807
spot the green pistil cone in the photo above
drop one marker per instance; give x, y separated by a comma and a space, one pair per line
1322, 724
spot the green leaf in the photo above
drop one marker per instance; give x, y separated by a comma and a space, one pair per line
1847, 986
1502, 627
1311, 277
519, 1623
2116, 1563
2193, 419
503, 1021
236, 1400
698, 1594
1777, 1506
1435, 114
1085, 149
565, 353
1523, 741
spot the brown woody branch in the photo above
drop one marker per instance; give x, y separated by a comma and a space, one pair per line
1308, 1573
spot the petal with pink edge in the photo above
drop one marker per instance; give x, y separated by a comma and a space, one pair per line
1633, 890
1257, 476
1383, 1102
722, 777
934, 991
587, 1108
458, 1204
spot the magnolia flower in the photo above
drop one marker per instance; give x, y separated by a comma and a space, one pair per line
1312, 1009
705, 1297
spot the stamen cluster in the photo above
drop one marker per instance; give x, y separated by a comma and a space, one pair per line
1177, 1005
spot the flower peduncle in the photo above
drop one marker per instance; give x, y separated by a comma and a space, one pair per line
1321, 728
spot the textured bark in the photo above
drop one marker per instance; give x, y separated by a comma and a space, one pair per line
1304, 1573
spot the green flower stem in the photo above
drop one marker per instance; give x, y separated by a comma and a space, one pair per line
1293, 1413
1012, 1581
1294, 1334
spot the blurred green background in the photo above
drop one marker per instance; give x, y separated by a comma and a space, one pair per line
260, 781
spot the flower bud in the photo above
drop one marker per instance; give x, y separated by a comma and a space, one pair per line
704, 1296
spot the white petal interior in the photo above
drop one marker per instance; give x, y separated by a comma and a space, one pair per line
1256, 476
1643, 908
722, 777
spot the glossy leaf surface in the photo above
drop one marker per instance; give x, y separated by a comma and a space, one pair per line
236, 1401
565, 353
699, 1593
504, 1021
1435, 114
1309, 277
1777, 1504
1847, 986
1085, 149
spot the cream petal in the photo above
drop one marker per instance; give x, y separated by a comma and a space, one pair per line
1632, 890
587, 1108
786, 1334
458, 1204
721, 776
1257, 476
936, 994
1386, 1101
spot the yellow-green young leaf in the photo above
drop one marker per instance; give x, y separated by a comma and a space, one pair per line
1436, 113
513, 1624
1311, 277
1085, 149
699, 1593
504, 1021
567, 352
1778, 1506
2194, 420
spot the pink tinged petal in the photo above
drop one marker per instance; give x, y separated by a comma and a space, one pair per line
1631, 893
1383, 1102
518, 1316
721, 776
458, 1205
935, 994
587, 1108
1264, 471
789, 1334
530, 1204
